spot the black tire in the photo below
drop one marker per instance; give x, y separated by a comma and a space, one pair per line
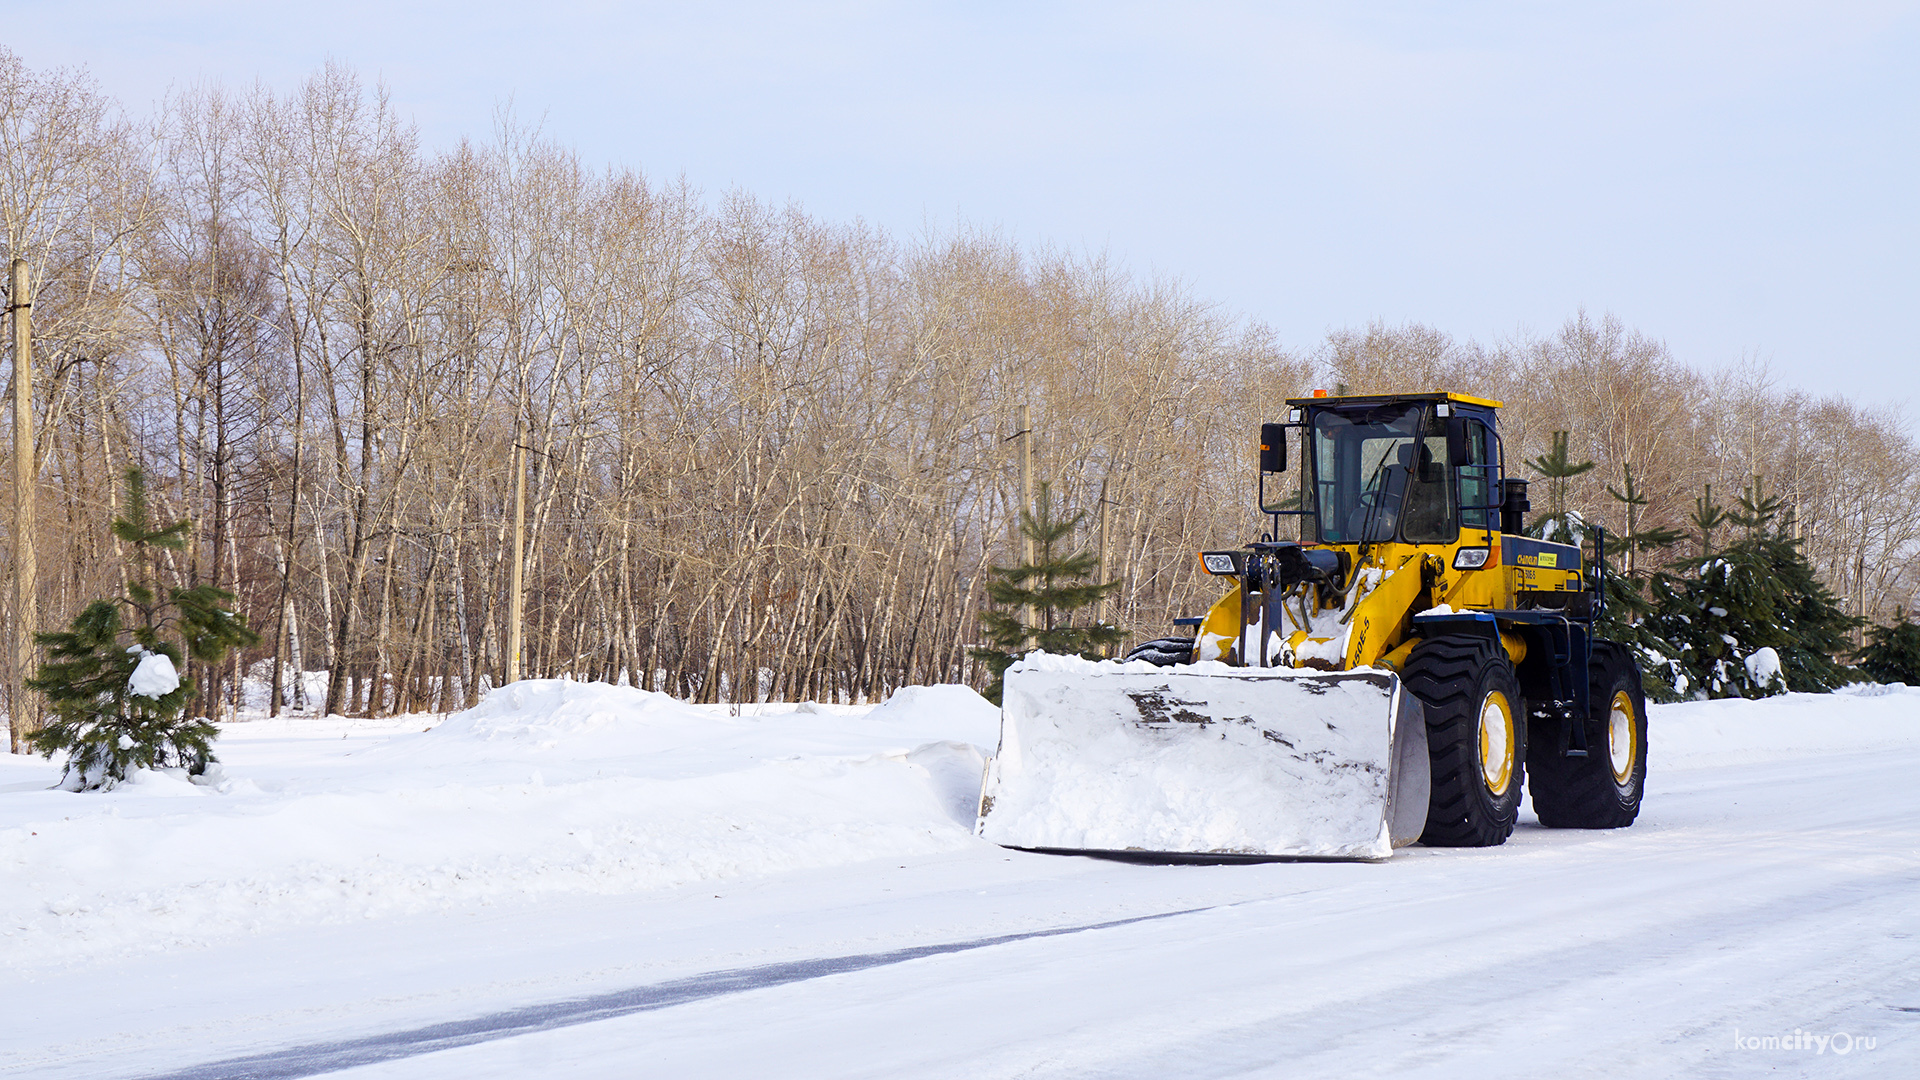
1603, 789
1467, 684
1164, 651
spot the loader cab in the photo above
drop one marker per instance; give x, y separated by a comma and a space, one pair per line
1411, 469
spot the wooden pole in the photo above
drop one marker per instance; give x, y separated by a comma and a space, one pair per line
1860, 600
1100, 610
1023, 421
516, 597
22, 713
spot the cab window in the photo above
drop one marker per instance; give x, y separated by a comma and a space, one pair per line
1382, 473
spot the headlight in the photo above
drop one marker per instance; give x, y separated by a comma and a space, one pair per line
1222, 563
1471, 558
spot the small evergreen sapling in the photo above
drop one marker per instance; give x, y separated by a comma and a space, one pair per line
1638, 536
1893, 652
1627, 604
1558, 468
1707, 516
1055, 586
114, 684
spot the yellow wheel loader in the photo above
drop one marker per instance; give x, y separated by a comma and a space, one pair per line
1397, 673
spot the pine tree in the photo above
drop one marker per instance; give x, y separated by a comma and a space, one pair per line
1627, 604
1707, 517
1725, 610
114, 685
1055, 586
1893, 652
1558, 468
1637, 537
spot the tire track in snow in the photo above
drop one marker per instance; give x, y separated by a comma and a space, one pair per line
1719, 939
315, 1059
1404, 1025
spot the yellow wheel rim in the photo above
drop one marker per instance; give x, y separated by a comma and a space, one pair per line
1496, 742
1623, 737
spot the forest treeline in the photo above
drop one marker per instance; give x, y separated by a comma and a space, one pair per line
767, 454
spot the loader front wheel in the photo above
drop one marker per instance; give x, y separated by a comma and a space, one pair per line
1601, 790
1476, 739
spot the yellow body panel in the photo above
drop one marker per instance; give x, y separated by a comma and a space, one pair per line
1380, 617
1220, 630
1463, 590
1542, 579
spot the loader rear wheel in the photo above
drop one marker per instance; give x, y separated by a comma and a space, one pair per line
1164, 651
1603, 789
1476, 739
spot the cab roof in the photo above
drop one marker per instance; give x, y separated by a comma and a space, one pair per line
1388, 399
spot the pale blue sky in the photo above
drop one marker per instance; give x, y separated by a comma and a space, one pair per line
1736, 178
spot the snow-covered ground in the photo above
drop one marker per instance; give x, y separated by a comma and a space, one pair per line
590, 881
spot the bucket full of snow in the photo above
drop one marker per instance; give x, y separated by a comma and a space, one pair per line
1205, 762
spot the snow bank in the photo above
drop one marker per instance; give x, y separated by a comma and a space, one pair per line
1732, 731
548, 787
955, 708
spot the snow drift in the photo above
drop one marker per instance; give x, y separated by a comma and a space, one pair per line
547, 787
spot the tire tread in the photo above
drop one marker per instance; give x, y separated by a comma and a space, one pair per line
1581, 793
1449, 676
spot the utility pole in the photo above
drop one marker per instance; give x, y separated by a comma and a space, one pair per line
21, 711
1023, 422
516, 599
1100, 610
1860, 600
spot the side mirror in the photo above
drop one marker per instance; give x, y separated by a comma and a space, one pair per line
1456, 441
1273, 448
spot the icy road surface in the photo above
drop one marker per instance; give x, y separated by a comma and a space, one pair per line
588, 882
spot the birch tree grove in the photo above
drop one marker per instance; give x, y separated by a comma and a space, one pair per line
766, 455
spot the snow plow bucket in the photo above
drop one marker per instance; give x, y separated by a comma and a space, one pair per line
1205, 762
